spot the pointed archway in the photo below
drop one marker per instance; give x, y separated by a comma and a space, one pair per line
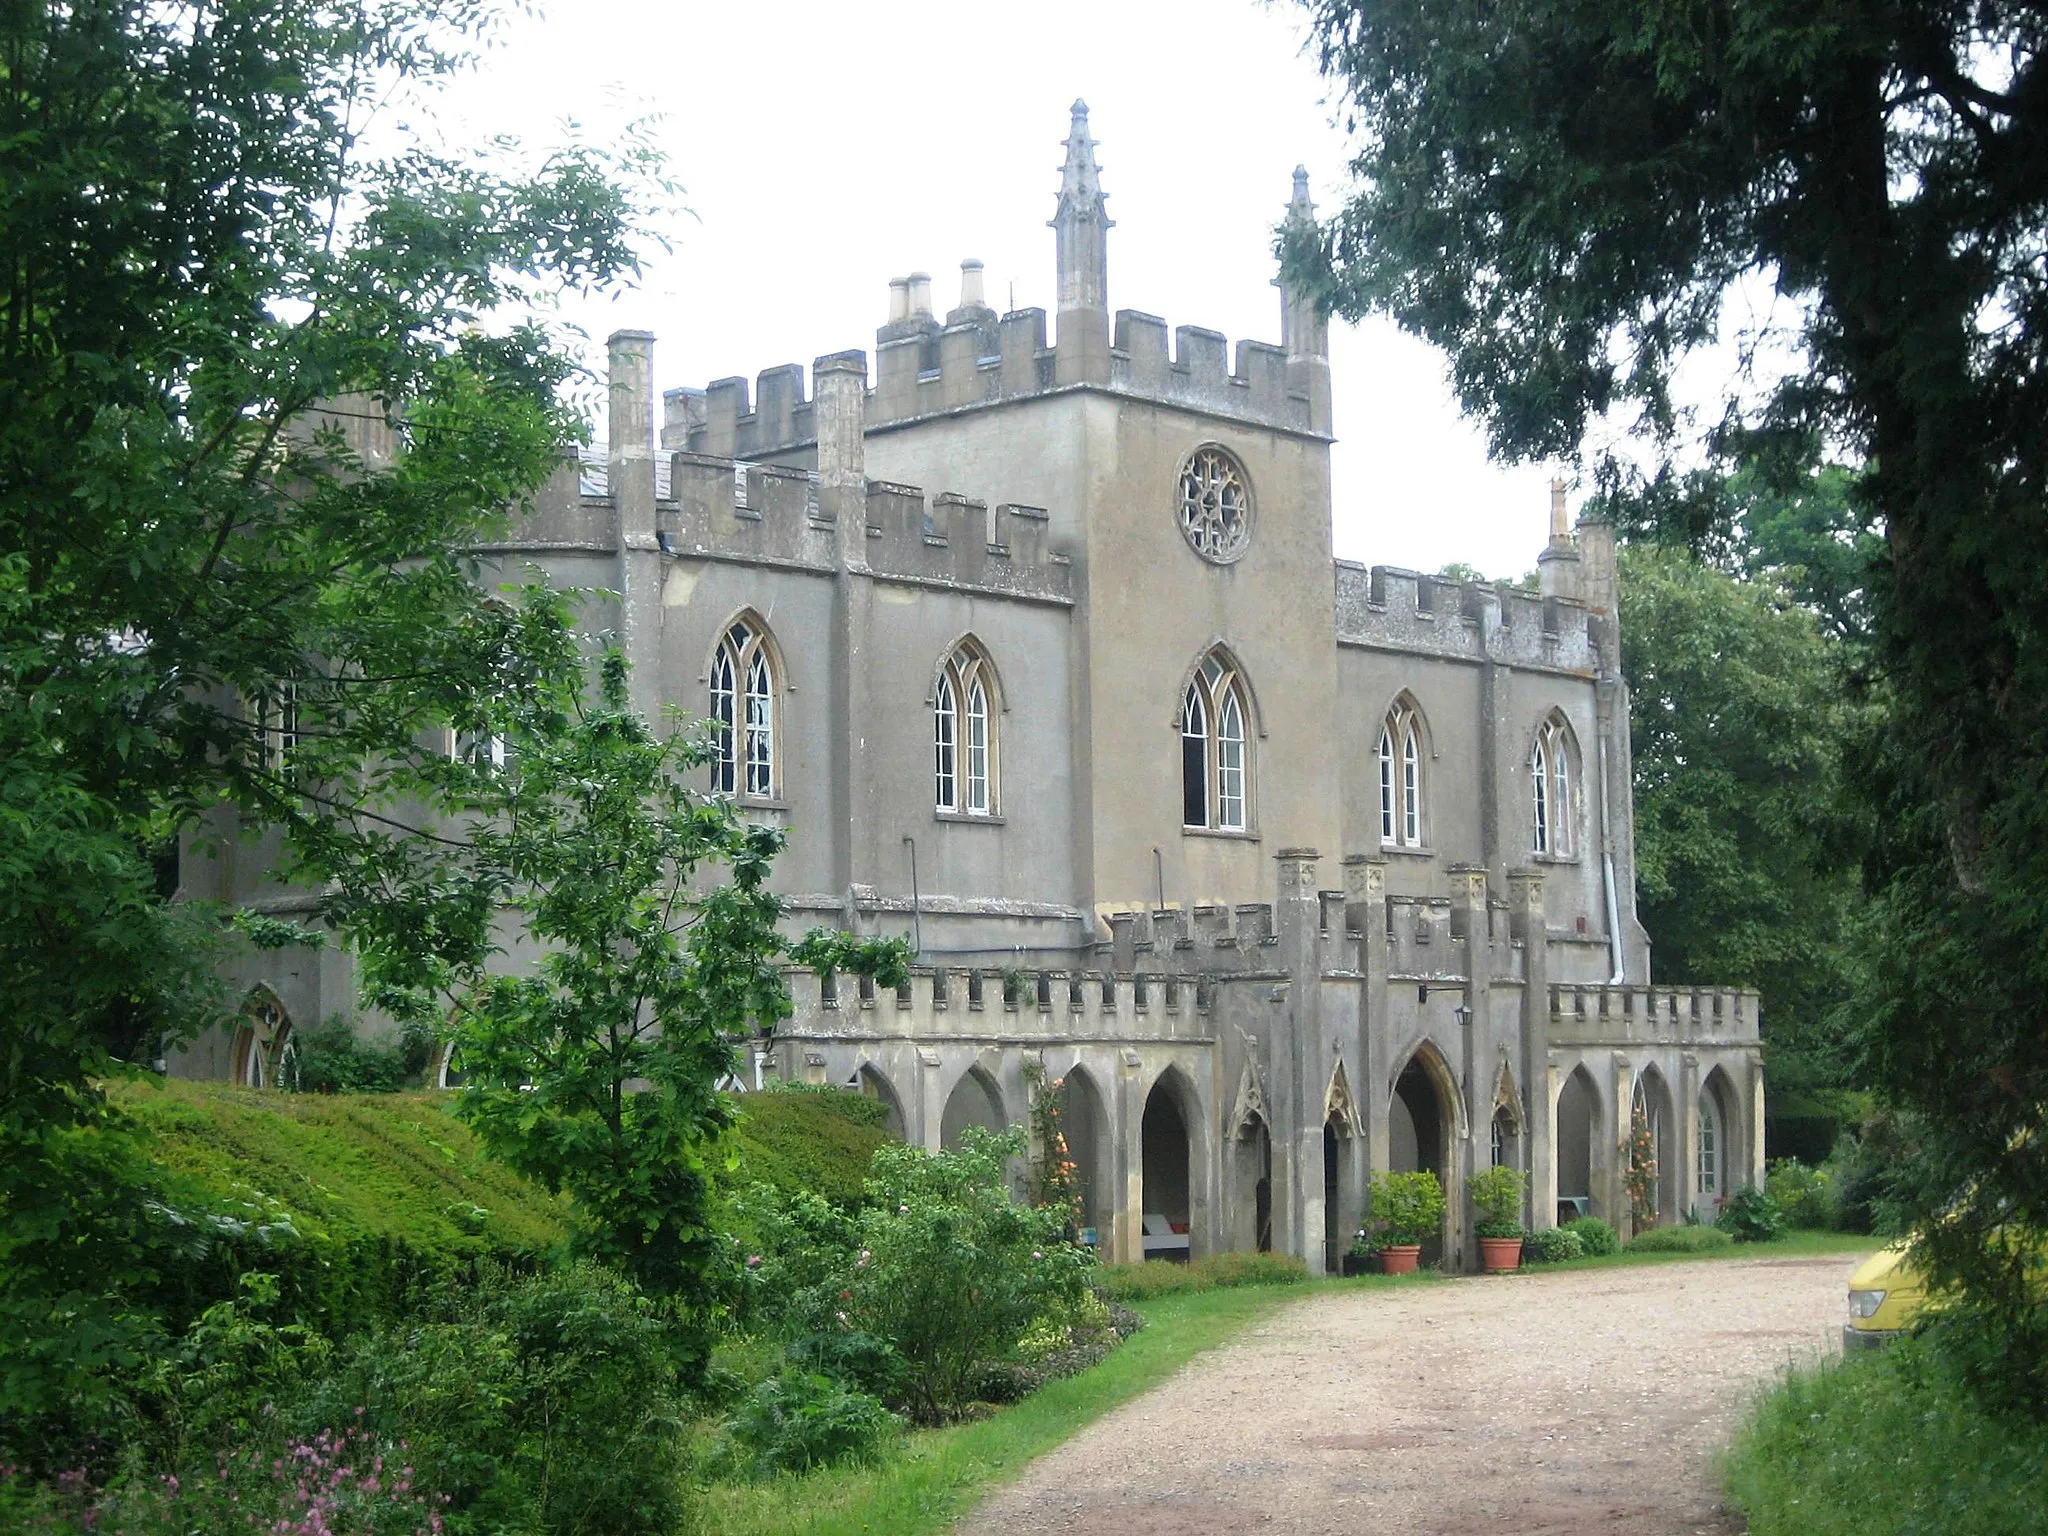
1166, 1161
1424, 1128
1085, 1125
974, 1101
1576, 1126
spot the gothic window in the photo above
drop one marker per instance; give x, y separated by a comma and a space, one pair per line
265, 1055
1215, 768
963, 734
1400, 758
1551, 789
1215, 503
1710, 1147
743, 713
273, 716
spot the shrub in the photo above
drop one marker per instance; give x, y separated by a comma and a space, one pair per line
1147, 1281
950, 1270
797, 1420
1595, 1236
1892, 1441
1751, 1216
1805, 1195
543, 1404
333, 1058
1680, 1240
1497, 1197
1405, 1207
857, 1360
1554, 1245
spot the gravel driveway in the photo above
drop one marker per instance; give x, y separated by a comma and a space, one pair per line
1537, 1404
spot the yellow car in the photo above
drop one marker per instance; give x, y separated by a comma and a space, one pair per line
1886, 1294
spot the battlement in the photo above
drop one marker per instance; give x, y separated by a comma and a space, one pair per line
1011, 1003
1599, 1015
748, 511
1385, 606
1187, 940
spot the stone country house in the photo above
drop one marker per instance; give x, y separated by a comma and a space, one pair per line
1286, 868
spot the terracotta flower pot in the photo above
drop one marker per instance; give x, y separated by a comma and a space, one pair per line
1399, 1258
1500, 1255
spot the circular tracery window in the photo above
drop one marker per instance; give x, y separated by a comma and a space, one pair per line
1215, 505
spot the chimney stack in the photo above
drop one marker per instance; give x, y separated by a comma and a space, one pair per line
899, 299
920, 295
971, 296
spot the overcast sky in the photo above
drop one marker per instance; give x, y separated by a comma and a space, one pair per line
826, 146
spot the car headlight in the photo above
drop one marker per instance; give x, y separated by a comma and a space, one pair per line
1864, 1303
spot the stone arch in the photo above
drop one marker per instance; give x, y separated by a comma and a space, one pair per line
757, 621
1719, 1134
1507, 1124
1652, 1097
263, 1051
1084, 1121
872, 1081
974, 1101
1224, 652
970, 643
1426, 1123
1555, 804
1576, 1126
1169, 1167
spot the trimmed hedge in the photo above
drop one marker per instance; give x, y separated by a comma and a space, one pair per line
817, 1139
1680, 1240
1142, 1282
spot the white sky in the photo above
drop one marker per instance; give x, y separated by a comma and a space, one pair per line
825, 146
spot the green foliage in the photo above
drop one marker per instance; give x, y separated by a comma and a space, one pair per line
1738, 726
820, 1141
1595, 1236
1219, 1271
1563, 196
1554, 1245
1750, 1215
950, 1270
796, 1420
1055, 1176
1404, 1207
1680, 1239
1805, 1195
1497, 1197
549, 1403
333, 1057
1892, 1441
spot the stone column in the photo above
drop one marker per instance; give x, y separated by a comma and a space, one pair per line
1689, 1134
1471, 921
1299, 1062
1613, 1180
839, 409
1539, 1104
629, 478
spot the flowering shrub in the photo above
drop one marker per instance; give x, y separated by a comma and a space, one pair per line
796, 1420
335, 1483
1640, 1175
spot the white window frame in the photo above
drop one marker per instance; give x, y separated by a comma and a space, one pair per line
1216, 713
1554, 824
965, 706
1707, 1166
1402, 822
745, 690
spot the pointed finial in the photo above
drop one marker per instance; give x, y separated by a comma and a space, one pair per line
1560, 525
1080, 177
1300, 210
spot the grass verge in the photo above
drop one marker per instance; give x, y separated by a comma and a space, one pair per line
934, 1476
1886, 1442
1799, 1245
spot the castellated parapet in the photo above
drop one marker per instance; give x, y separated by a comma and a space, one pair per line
1384, 607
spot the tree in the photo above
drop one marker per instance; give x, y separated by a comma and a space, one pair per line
209, 591
594, 1066
1744, 867
1562, 196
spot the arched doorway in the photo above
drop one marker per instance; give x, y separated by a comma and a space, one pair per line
1251, 1185
1717, 1165
1333, 1189
871, 1081
1167, 1206
1578, 1109
1084, 1125
1653, 1127
974, 1101
1421, 1123
264, 1054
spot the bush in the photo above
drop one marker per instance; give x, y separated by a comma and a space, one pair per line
1405, 1207
1892, 1441
1147, 1281
1751, 1216
333, 1058
547, 1404
1679, 1240
1805, 1195
797, 1420
1497, 1197
795, 1138
1595, 1236
857, 1360
1554, 1246
950, 1270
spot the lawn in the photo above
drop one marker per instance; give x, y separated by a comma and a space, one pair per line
1798, 1245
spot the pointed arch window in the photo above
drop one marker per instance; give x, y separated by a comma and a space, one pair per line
743, 694
1709, 1169
1552, 787
1215, 750
1400, 758
963, 734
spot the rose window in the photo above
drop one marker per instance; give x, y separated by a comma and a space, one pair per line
1215, 505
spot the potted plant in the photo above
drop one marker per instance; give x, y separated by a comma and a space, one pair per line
1406, 1208
1497, 1197
1362, 1257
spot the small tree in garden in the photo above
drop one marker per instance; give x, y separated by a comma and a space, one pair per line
1497, 1197
951, 1270
1055, 1177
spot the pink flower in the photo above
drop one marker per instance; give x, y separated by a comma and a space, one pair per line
753, 1261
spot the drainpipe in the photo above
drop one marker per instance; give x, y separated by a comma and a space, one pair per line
1614, 952
916, 907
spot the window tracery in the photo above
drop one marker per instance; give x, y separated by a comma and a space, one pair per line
1400, 763
1551, 787
963, 734
743, 689
1215, 503
1215, 750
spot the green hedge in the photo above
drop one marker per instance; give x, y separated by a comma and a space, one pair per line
819, 1139
1680, 1240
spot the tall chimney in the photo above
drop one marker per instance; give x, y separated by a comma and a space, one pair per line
899, 299
630, 430
971, 296
920, 294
